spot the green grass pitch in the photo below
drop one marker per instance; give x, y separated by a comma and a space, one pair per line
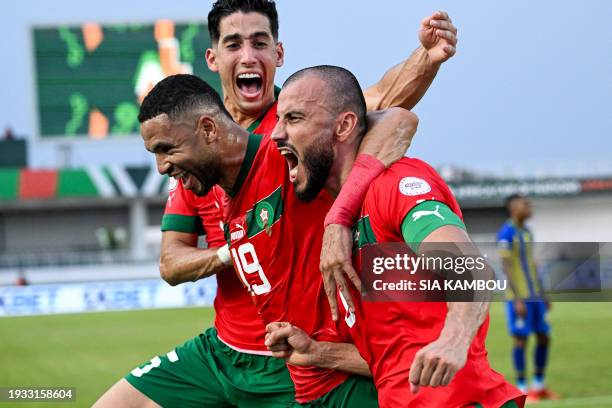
92, 351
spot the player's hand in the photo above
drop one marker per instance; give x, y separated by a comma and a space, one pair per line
438, 36
436, 364
335, 263
290, 343
519, 308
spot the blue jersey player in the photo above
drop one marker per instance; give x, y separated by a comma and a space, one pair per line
527, 306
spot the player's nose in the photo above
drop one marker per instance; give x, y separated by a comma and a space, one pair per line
278, 133
163, 166
247, 56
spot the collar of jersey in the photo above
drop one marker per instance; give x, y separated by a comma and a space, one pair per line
251, 151
511, 221
256, 124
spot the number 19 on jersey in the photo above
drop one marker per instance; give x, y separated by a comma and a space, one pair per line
250, 266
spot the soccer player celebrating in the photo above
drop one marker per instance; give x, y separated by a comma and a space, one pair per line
438, 347
526, 307
246, 52
186, 126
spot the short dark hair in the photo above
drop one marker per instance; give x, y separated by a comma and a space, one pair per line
343, 87
223, 8
177, 94
508, 201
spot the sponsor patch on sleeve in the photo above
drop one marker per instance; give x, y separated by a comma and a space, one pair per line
413, 186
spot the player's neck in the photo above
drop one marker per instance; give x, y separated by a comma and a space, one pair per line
232, 156
519, 222
246, 119
343, 163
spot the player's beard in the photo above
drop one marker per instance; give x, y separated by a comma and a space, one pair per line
318, 161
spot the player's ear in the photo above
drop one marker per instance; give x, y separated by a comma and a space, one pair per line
211, 60
280, 54
345, 125
207, 129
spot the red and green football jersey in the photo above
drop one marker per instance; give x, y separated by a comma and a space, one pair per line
388, 334
186, 212
236, 320
275, 242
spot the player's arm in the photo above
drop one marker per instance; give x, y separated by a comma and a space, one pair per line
386, 141
438, 362
182, 261
506, 261
402, 86
405, 84
517, 302
544, 295
292, 344
504, 244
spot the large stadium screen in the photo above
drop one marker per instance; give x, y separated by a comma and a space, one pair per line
91, 78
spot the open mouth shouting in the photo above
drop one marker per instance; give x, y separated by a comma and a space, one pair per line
250, 85
292, 161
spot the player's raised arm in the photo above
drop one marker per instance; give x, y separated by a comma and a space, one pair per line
437, 363
292, 344
402, 86
386, 141
405, 83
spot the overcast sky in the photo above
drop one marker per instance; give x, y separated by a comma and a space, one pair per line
528, 92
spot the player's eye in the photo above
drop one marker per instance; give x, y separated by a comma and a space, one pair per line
232, 46
261, 44
166, 149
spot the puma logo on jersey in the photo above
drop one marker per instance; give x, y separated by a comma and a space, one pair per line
238, 233
423, 213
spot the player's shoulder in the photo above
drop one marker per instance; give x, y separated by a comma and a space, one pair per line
411, 176
263, 168
507, 230
259, 148
527, 231
265, 125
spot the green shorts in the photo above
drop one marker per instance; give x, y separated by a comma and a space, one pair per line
205, 372
356, 391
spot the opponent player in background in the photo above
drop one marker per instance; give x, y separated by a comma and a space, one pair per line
186, 126
435, 346
246, 52
527, 308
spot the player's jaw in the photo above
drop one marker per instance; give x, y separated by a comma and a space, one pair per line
198, 182
289, 152
308, 172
